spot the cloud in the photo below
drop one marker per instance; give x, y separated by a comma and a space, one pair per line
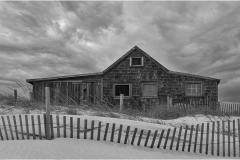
43, 39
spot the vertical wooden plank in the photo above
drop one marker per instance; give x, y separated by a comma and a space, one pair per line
87, 93
51, 124
39, 128
160, 138
223, 138
239, 136
1, 135
166, 140
33, 127
85, 129
4, 126
64, 127
173, 137
99, 131
134, 135
113, 131
185, 136
146, 141
154, 138
229, 142
207, 139
106, 131
212, 142
234, 143
196, 138
58, 128
179, 136
10, 127
126, 136
190, 139
140, 137
201, 140
218, 138
27, 128
78, 128
15, 125
71, 127
120, 133
92, 129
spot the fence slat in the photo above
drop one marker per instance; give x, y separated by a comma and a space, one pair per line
126, 136
229, 142
15, 125
166, 140
39, 127
71, 127
1, 135
218, 138
173, 137
92, 129
223, 137
51, 125
106, 131
234, 143
120, 133
113, 132
10, 127
160, 138
179, 137
212, 142
196, 138
239, 136
27, 128
140, 138
154, 138
201, 140
64, 127
190, 139
85, 129
134, 135
21, 126
58, 129
33, 127
99, 131
4, 126
207, 139
185, 136
78, 128
146, 141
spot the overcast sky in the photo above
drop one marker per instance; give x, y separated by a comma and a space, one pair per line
45, 39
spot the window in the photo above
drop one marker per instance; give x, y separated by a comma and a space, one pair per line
136, 61
125, 89
149, 89
193, 89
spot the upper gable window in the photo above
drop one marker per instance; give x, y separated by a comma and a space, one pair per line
136, 61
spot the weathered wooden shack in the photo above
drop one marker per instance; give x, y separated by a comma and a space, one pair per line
137, 75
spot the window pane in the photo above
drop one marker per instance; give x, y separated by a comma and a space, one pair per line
150, 90
121, 89
136, 61
193, 89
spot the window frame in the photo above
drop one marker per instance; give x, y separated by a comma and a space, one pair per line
118, 97
131, 65
194, 82
146, 83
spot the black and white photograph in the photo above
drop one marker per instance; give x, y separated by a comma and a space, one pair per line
119, 79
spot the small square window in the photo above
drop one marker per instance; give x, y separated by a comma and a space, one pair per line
136, 61
193, 89
124, 89
149, 90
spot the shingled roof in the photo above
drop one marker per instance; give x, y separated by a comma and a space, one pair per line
114, 64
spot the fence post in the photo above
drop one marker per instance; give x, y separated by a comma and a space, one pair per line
31, 96
169, 102
47, 94
121, 102
15, 96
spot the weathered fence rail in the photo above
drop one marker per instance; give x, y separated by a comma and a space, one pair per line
215, 138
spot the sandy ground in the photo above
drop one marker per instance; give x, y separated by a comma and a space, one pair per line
66, 148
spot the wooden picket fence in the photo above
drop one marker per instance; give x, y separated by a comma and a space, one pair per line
221, 138
223, 107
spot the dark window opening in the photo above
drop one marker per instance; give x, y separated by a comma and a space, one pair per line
136, 61
122, 89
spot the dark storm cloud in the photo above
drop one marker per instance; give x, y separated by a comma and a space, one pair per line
43, 39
